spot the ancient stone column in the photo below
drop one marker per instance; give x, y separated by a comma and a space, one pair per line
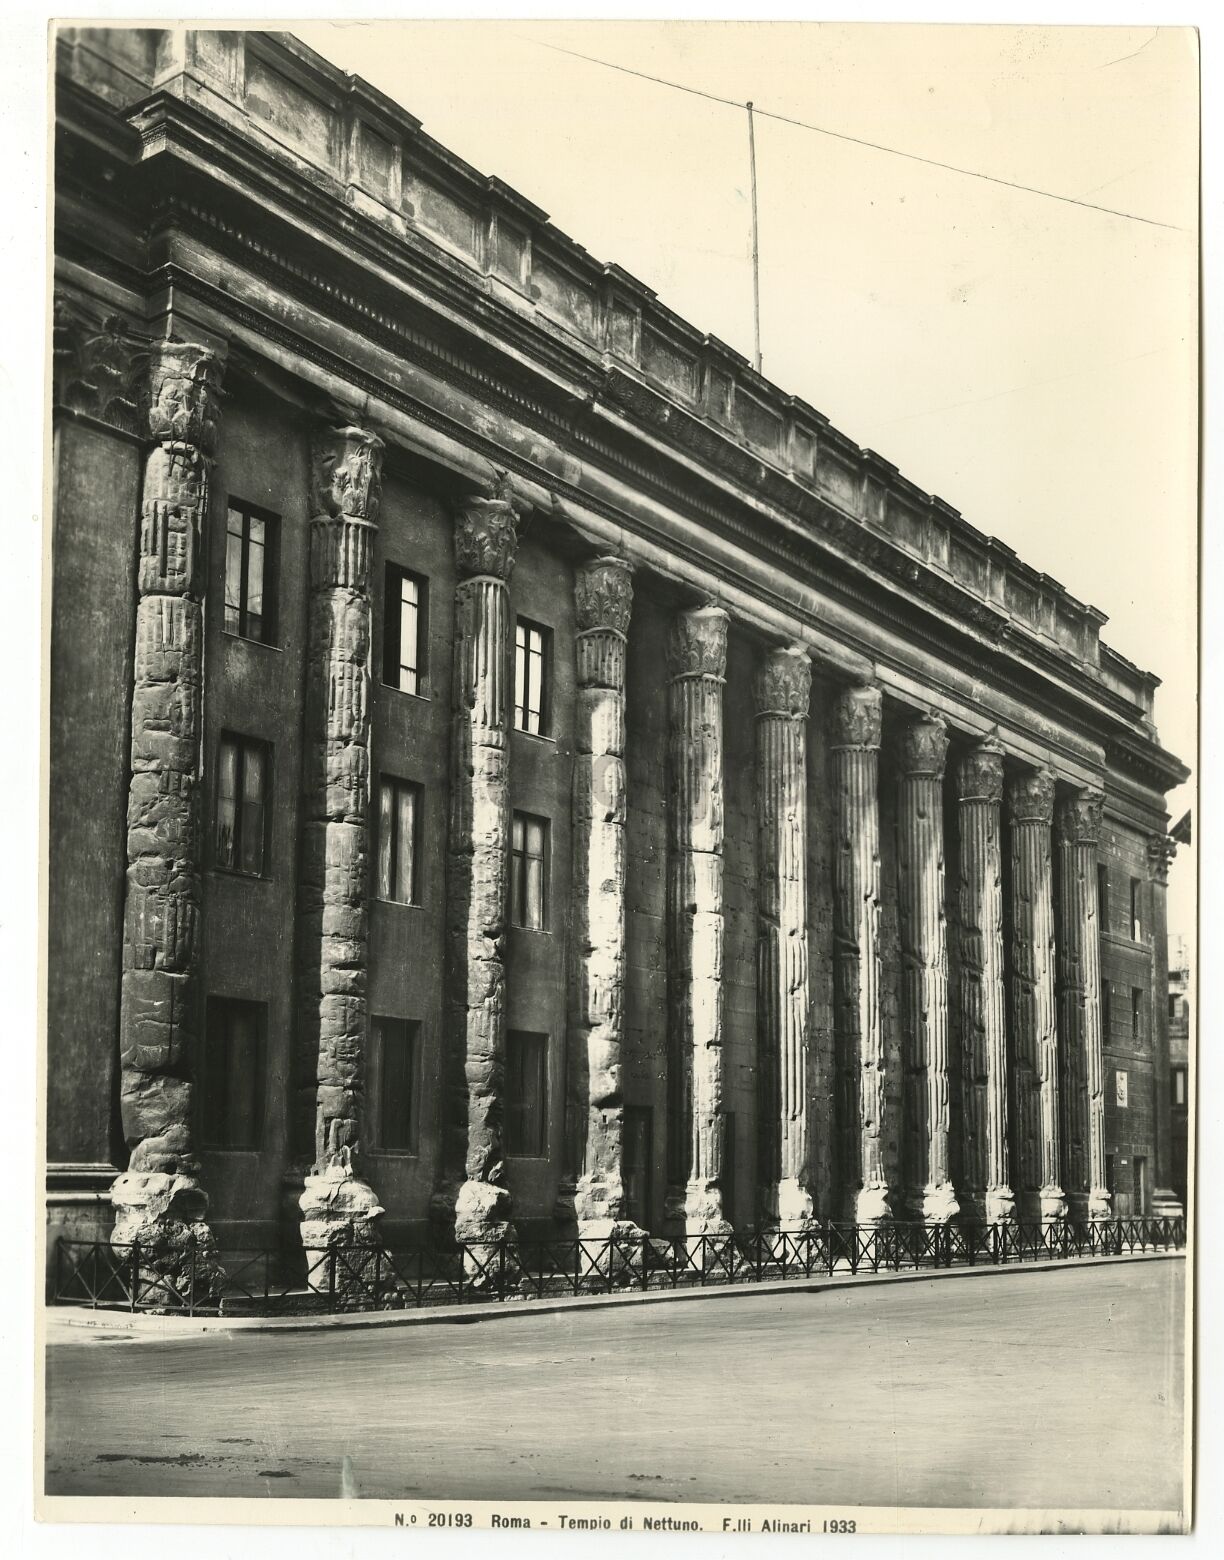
1079, 1004
603, 600
1034, 1028
337, 1203
857, 723
697, 657
924, 966
158, 1200
986, 1193
477, 870
783, 688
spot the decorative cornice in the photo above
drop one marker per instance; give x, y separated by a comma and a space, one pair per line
979, 775
346, 473
603, 595
858, 718
783, 683
924, 746
697, 643
1030, 796
1079, 816
486, 533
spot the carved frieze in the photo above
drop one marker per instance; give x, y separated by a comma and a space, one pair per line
1030, 797
980, 772
784, 682
1079, 816
346, 472
858, 717
697, 643
603, 595
924, 747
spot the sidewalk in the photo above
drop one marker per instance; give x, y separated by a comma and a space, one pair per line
75, 1324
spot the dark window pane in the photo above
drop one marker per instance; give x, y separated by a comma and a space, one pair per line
252, 825
233, 573
526, 1094
249, 553
227, 803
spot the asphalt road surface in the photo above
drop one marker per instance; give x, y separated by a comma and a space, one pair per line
1021, 1388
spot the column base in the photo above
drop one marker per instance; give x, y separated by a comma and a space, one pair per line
999, 1206
939, 1204
1052, 1205
705, 1225
1100, 1204
871, 1205
598, 1199
338, 1208
163, 1214
789, 1205
612, 1249
482, 1224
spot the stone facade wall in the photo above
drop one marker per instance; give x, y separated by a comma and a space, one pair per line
822, 1082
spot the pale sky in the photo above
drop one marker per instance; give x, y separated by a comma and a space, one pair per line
1030, 361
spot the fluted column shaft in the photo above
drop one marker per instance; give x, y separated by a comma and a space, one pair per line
697, 653
332, 913
1079, 1005
986, 1192
603, 599
158, 1200
924, 968
1034, 1027
477, 872
783, 690
857, 724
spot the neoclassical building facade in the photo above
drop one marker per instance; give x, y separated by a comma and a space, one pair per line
512, 766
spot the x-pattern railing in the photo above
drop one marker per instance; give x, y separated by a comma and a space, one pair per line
338, 1278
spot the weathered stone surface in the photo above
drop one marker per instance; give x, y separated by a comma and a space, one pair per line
857, 725
159, 1201
783, 688
603, 601
986, 1192
337, 1204
924, 969
1034, 1028
472, 1188
697, 652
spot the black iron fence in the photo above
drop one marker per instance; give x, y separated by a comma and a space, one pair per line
322, 1280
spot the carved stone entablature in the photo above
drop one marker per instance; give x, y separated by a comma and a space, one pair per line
858, 718
1079, 816
98, 365
184, 394
980, 772
1030, 796
697, 643
603, 595
924, 747
784, 682
346, 472
1161, 849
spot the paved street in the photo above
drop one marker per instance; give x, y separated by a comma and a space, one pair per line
1019, 1388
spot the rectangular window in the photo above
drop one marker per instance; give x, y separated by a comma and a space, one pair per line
250, 571
1179, 1086
529, 872
526, 1095
399, 823
1136, 1014
1140, 1168
532, 655
405, 631
1172, 1007
232, 1082
1136, 921
396, 1065
1106, 1012
243, 788
638, 1163
1102, 896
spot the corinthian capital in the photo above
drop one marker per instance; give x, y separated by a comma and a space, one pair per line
980, 772
603, 595
346, 473
486, 536
1079, 816
184, 394
1161, 849
924, 747
697, 644
784, 682
858, 718
1030, 796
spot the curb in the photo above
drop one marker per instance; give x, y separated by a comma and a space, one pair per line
63, 1320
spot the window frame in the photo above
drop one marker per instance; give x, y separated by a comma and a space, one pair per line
218, 1009
1103, 895
1136, 909
243, 745
519, 877
410, 1029
516, 1108
1137, 1015
398, 786
269, 617
394, 574
529, 626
